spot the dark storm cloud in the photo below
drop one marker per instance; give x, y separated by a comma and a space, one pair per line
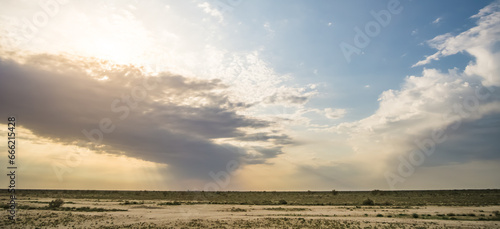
266, 137
169, 119
472, 141
264, 153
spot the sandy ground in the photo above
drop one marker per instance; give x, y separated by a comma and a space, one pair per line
152, 215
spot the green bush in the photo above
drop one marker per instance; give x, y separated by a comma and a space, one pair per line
56, 203
414, 215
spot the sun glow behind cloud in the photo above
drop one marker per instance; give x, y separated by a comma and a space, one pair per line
66, 166
106, 33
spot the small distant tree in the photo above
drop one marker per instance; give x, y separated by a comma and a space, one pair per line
335, 192
56, 203
368, 202
375, 192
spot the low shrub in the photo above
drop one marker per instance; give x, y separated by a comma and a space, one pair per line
233, 209
131, 202
56, 203
170, 203
282, 202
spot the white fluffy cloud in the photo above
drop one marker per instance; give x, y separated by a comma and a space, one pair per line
435, 102
480, 41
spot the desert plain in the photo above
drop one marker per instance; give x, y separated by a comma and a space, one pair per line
309, 209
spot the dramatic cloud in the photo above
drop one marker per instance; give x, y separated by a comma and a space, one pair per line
438, 113
118, 109
433, 101
480, 41
280, 139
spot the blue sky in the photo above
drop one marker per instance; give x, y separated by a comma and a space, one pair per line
306, 45
306, 42
254, 95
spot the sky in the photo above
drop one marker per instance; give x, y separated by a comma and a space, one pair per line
256, 95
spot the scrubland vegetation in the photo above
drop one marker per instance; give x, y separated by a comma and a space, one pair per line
192, 209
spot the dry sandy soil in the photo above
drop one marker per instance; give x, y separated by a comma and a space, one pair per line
149, 214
